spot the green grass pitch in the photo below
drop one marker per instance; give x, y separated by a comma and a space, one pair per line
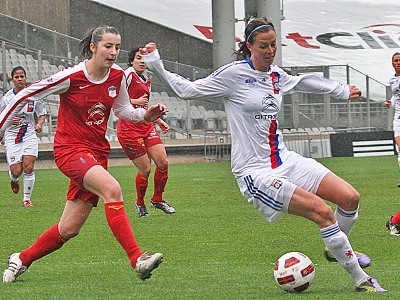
216, 246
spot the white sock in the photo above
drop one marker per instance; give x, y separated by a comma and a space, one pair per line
338, 244
29, 182
346, 219
12, 176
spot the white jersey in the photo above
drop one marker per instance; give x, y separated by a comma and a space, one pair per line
252, 102
25, 130
395, 99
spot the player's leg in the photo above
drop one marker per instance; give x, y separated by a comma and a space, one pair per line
135, 148
159, 156
74, 216
393, 224
14, 159
312, 207
397, 140
28, 162
142, 163
14, 173
338, 191
100, 182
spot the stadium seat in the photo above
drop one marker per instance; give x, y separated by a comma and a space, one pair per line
315, 130
197, 118
210, 120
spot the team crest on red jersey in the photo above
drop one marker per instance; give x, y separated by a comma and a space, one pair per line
112, 91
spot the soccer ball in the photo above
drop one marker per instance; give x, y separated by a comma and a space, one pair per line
294, 272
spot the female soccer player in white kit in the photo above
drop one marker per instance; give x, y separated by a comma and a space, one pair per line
394, 101
88, 92
20, 140
393, 224
272, 178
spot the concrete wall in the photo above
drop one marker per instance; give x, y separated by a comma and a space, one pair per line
51, 14
74, 18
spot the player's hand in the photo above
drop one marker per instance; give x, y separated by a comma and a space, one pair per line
354, 92
38, 128
163, 126
154, 112
148, 48
388, 103
142, 101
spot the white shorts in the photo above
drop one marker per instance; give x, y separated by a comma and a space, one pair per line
15, 152
271, 192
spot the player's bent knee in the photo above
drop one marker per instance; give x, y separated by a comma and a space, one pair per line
324, 215
114, 192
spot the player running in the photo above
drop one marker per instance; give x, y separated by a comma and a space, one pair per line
141, 140
87, 92
394, 101
272, 178
20, 140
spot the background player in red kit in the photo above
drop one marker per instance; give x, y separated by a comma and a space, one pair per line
87, 92
140, 140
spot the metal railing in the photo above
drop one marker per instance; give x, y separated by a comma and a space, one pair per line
217, 146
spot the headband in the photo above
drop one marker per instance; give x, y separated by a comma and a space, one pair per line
257, 28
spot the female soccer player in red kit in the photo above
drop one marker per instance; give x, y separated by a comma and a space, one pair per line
141, 139
87, 92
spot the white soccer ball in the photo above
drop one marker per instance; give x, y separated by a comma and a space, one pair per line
294, 272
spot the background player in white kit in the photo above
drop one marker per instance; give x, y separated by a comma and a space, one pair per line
272, 178
393, 224
394, 101
20, 140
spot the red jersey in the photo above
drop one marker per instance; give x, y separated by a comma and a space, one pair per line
137, 87
85, 106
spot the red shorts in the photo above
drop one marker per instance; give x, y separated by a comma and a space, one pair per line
136, 145
74, 164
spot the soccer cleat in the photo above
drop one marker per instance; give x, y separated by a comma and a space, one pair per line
27, 203
142, 210
394, 228
164, 206
363, 260
15, 187
15, 268
370, 285
147, 263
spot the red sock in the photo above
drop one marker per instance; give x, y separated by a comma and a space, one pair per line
141, 187
160, 181
396, 218
49, 241
121, 228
